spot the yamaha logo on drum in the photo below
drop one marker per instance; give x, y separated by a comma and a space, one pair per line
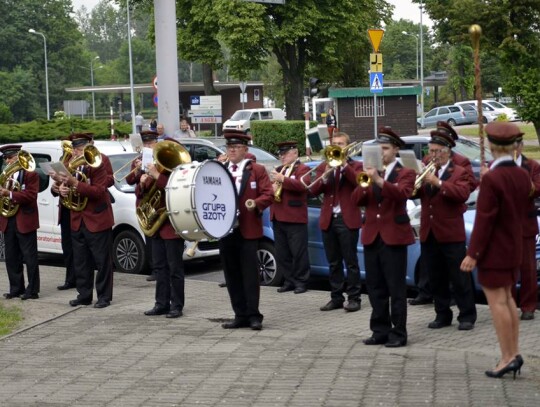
207, 180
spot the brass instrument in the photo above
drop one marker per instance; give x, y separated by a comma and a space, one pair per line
429, 169
286, 171
476, 31
138, 157
26, 162
335, 157
150, 213
67, 150
363, 179
91, 157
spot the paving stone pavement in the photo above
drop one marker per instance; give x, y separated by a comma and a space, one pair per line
64, 356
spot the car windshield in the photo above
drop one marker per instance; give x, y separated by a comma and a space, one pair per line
471, 150
117, 161
497, 105
261, 155
241, 115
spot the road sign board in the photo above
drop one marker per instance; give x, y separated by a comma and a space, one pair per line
243, 86
208, 102
195, 100
154, 82
155, 99
376, 82
375, 36
375, 62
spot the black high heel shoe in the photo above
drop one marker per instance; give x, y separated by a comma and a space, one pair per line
514, 366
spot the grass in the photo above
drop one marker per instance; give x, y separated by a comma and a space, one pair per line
531, 149
9, 319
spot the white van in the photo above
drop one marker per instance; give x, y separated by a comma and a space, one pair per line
496, 108
128, 251
241, 119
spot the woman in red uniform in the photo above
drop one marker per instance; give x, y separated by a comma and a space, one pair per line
494, 246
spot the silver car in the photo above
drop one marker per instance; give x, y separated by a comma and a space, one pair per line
451, 114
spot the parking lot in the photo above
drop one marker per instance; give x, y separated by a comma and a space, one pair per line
65, 356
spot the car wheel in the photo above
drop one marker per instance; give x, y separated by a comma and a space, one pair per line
484, 119
451, 122
268, 271
129, 254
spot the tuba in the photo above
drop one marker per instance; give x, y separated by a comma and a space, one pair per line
67, 150
151, 213
26, 162
90, 156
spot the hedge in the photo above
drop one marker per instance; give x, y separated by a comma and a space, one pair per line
267, 133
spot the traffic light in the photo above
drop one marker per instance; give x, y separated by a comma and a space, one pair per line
313, 87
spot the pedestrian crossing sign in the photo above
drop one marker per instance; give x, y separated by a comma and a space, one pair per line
376, 82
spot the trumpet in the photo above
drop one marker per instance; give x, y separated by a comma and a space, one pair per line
429, 169
286, 171
363, 179
334, 157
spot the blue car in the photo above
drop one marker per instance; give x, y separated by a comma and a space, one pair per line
271, 275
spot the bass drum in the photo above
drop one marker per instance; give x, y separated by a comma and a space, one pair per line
201, 200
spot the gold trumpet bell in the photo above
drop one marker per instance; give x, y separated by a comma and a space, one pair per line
363, 179
333, 156
168, 155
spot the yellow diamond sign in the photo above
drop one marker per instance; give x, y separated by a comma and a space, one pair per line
375, 36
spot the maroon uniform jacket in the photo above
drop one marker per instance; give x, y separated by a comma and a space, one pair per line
256, 185
500, 210
98, 214
134, 178
27, 217
530, 227
342, 189
293, 205
443, 208
386, 208
464, 162
106, 163
166, 231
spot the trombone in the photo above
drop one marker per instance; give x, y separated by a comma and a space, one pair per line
119, 170
334, 157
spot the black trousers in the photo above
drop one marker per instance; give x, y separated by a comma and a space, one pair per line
386, 269
94, 246
240, 266
168, 266
340, 245
443, 261
424, 287
67, 248
291, 245
21, 247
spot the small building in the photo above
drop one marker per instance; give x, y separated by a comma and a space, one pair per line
396, 107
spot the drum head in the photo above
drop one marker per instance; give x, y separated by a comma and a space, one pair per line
215, 199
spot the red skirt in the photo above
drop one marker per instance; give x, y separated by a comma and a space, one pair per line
496, 278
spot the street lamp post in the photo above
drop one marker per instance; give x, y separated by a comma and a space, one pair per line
32, 31
421, 64
416, 38
92, 83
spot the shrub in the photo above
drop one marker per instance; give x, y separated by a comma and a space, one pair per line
267, 133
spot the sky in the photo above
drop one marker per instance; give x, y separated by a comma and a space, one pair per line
405, 9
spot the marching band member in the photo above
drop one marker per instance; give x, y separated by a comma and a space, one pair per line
340, 222
20, 230
149, 139
496, 242
528, 291
238, 250
91, 228
386, 232
167, 251
424, 288
289, 216
442, 234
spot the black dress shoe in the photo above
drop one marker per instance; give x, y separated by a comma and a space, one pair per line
285, 288
438, 324
300, 290
102, 304
235, 324
331, 305
174, 313
527, 315
156, 311
374, 341
26, 296
151, 277
352, 306
420, 300
9, 296
76, 302
65, 286
395, 343
255, 325
465, 326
